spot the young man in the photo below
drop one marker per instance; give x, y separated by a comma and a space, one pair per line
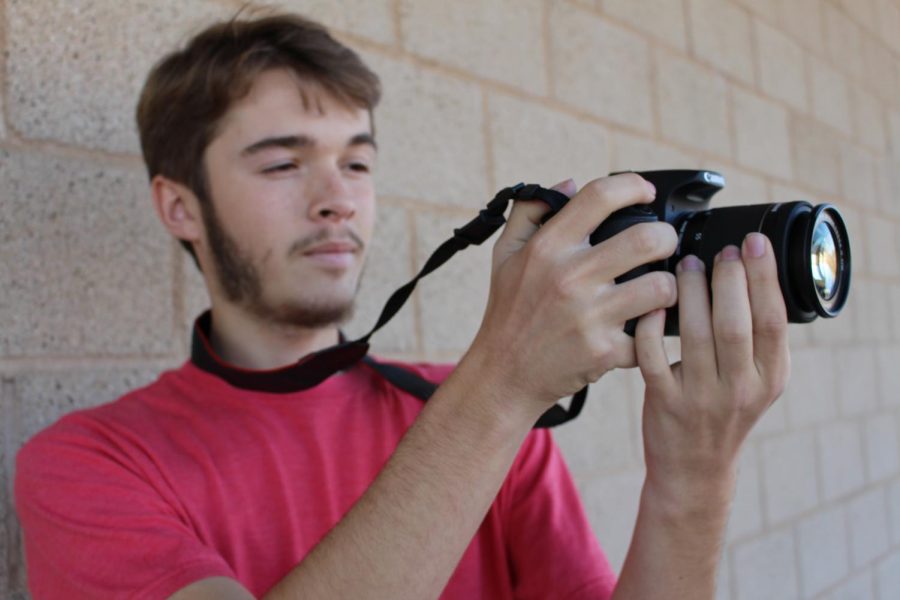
230, 478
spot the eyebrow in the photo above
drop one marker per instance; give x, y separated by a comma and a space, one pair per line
294, 142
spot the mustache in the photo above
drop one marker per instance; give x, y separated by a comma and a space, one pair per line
324, 236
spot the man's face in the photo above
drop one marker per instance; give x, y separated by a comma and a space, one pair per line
292, 203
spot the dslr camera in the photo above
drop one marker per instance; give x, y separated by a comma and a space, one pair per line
812, 249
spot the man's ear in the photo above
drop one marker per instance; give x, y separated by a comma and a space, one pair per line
178, 208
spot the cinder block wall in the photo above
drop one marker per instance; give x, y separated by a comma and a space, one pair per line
790, 99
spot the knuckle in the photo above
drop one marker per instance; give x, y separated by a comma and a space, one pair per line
596, 189
645, 239
601, 353
663, 286
770, 325
730, 333
538, 248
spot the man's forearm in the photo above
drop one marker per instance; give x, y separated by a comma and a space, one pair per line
407, 533
677, 542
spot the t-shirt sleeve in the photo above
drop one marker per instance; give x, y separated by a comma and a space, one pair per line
97, 525
553, 551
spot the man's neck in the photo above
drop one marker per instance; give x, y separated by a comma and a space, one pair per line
249, 342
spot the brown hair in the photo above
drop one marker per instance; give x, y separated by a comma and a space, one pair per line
188, 92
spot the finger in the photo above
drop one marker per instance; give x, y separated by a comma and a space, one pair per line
731, 318
596, 201
698, 347
635, 246
651, 352
524, 221
631, 299
770, 340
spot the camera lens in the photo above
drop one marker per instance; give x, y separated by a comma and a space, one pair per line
812, 250
824, 261
828, 273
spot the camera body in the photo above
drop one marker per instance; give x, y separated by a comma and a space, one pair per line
811, 245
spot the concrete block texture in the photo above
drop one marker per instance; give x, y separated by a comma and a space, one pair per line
869, 533
887, 577
859, 177
693, 104
843, 36
816, 155
762, 135
638, 153
893, 492
372, 19
430, 131
811, 394
766, 568
75, 68
468, 35
89, 269
841, 448
869, 119
831, 97
611, 504
535, 144
859, 587
824, 556
882, 446
600, 68
658, 18
782, 66
721, 35
789, 475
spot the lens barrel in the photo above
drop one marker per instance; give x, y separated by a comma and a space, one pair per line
812, 250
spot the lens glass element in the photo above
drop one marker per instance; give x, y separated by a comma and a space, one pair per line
824, 261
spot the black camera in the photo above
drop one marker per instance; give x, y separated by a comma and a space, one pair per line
812, 249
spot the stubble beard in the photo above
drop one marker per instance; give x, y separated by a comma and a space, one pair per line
241, 282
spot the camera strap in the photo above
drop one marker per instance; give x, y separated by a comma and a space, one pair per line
316, 367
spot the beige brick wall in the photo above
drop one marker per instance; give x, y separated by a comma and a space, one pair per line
789, 98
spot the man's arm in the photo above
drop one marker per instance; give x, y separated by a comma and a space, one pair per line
735, 363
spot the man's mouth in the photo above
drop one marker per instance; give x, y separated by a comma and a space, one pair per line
333, 254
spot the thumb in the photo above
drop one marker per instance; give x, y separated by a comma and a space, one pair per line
524, 220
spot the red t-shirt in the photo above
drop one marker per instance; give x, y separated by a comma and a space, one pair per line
191, 477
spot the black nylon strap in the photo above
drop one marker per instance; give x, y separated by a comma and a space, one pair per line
423, 389
476, 231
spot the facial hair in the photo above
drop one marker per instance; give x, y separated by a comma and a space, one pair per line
241, 282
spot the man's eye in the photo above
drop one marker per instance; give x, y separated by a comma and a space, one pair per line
359, 167
279, 168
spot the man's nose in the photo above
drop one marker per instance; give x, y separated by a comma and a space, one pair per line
331, 199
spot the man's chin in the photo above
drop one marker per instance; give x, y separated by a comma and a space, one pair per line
312, 315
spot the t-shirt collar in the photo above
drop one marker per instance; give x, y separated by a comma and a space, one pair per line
306, 373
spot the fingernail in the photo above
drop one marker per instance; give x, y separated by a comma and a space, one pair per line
690, 263
730, 252
754, 245
651, 189
566, 187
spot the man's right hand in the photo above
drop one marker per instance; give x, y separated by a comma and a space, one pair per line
555, 316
